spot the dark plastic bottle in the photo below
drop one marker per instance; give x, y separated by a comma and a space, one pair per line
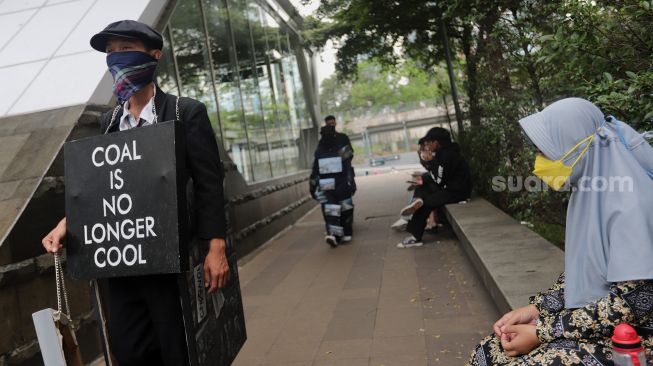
627, 347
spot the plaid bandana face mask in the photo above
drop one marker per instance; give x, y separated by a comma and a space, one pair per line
132, 71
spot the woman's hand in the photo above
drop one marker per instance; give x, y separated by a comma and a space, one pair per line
519, 339
524, 315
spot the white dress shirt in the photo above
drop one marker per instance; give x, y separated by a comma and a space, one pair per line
127, 120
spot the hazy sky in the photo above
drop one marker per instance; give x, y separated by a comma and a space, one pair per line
326, 58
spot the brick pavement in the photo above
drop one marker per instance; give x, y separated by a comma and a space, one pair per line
365, 303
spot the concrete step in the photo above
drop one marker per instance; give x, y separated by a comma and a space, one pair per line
513, 261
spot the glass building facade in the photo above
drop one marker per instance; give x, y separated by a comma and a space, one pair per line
239, 57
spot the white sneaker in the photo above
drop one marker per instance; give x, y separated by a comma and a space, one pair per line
331, 240
346, 238
400, 225
414, 206
410, 242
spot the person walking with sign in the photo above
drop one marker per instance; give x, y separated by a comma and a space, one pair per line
145, 315
332, 183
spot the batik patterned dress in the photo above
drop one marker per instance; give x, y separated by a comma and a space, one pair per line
579, 336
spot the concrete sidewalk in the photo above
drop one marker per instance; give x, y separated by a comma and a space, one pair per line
365, 303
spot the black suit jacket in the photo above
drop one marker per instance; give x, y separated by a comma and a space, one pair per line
202, 160
345, 183
449, 171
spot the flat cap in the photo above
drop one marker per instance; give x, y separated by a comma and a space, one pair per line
128, 29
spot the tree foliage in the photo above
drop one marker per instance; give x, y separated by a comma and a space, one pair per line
375, 88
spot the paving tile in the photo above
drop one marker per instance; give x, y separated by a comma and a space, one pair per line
323, 303
398, 322
392, 346
287, 353
267, 328
351, 325
365, 274
243, 360
254, 351
342, 362
304, 327
272, 275
286, 363
345, 349
367, 304
357, 293
447, 306
405, 360
399, 298
451, 349
479, 325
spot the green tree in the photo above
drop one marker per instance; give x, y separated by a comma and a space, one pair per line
375, 87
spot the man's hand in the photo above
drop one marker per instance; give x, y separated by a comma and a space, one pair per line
419, 180
216, 267
524, 315
54, 241
519, 339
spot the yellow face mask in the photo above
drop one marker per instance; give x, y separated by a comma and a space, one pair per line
554, 172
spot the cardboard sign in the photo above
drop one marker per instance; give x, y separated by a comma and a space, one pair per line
330, 165
126, 203
214, 323
332, 210
327, 184
336, 230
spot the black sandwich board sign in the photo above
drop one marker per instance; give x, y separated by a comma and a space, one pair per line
215, 323
126, 203
127, 215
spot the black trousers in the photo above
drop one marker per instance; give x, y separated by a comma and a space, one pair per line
146, 322
433, 200
345, 220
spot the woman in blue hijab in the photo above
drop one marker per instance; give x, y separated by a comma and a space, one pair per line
608, 276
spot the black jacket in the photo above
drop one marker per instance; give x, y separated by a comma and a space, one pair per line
345, 183
202, 160
449, 171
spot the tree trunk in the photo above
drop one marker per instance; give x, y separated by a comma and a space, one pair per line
472, 78
532, 72
452, 80
530, 65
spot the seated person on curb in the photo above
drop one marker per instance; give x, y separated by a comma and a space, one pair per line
447, 181
608, 276
423, 153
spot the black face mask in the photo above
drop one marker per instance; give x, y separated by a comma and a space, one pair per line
328, 130
328, 134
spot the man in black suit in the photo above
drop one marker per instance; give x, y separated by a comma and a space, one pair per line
146, 324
